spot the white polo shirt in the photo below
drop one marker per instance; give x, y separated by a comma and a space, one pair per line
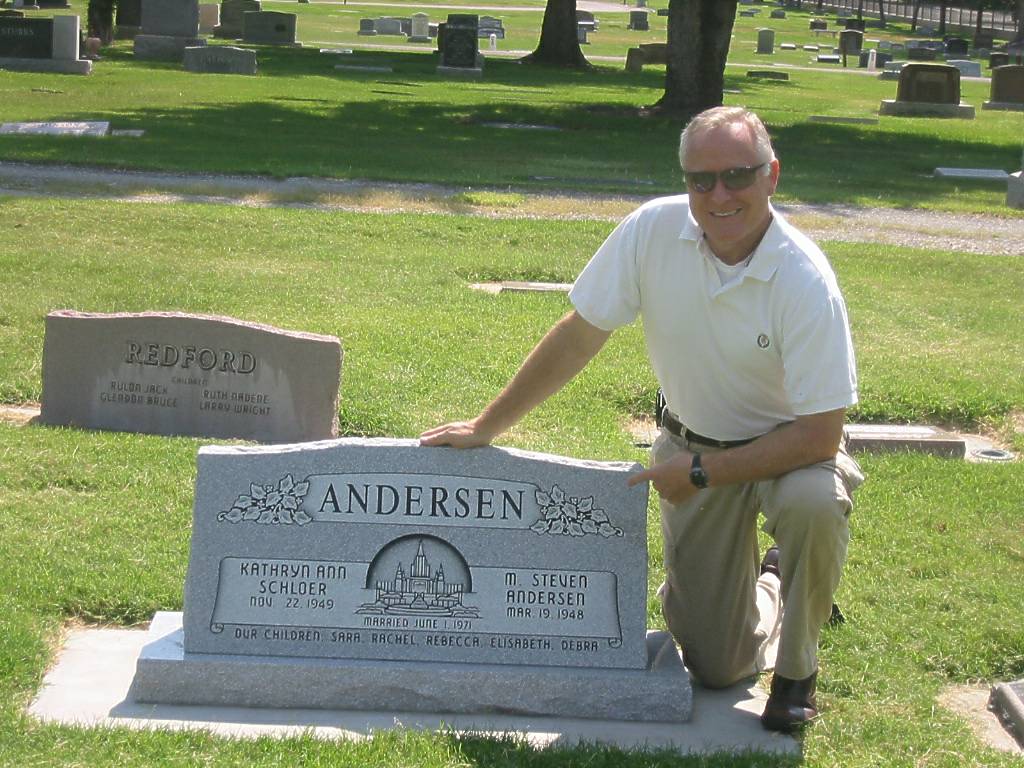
734, 361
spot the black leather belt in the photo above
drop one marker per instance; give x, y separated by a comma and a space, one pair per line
671, 422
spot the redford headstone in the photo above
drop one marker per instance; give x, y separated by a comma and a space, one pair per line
384, 575
180, 374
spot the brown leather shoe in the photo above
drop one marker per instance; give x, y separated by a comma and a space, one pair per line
791, 704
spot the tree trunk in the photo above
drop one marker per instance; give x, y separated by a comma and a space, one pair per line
1020, 20
977, 25
698, 44
942, 18
559, 44
913, 18
860, 9
881, 13
100, 20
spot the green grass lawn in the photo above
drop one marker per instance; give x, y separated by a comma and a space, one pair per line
94, 527
300, 116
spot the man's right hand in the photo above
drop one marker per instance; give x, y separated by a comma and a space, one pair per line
458, 434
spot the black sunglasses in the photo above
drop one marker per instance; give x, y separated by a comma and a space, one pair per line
733, 178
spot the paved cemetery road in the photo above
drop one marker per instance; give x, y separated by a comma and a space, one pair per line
965, 232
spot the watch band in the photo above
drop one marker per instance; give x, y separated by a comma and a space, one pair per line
698, 476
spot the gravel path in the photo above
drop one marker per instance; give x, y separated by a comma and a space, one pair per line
969, 233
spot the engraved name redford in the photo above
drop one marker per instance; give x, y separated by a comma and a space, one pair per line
169, 356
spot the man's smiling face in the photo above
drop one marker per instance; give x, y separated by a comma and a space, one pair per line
734, 221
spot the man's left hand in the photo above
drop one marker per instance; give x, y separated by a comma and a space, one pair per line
671, 479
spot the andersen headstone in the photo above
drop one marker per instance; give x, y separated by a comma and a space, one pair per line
379, 574
220, 59
180, 374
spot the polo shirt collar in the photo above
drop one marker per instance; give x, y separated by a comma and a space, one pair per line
769, 253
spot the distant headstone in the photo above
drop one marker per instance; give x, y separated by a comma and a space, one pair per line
581, 34
51, 4
967, 67
269, 28
1015, 190
921, 53
787, 46
42, 45
998, 59
983, 174
752, 13
1007, 89
767, 74
586, 19
367, 27
489, 25
829, 58
638, 21
812, 48
209, 17
778, 13
420, 28
983, 40
220, 59
410, 578
956, 46
388, 26
179, 374
12, 13
95, 128
928, 90
128, 18
851, 41
881, 58
460, 54
232, 14
818, 25
168, 27
766, 41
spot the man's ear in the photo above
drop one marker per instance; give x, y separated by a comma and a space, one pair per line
773, 175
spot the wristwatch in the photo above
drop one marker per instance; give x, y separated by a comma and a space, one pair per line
697, 474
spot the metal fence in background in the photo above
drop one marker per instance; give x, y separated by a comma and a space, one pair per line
957, 18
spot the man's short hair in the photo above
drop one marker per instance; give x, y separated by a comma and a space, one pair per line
719, 116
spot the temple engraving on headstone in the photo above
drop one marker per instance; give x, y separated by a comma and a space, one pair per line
179, 374
407, 564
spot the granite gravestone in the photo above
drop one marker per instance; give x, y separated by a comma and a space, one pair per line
956, 46
269, 28
42, 45
388, 25
380, 574
178, 374
420, 32
928, 90
129, 19
367, 27
489, 25
818, 25
209, 17
638, 21
967, 67
168, 27
766, 41
998, 59
232, 13
220, 59
459, 52
850, 42
1007, 90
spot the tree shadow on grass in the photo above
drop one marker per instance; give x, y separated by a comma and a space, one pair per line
391, 127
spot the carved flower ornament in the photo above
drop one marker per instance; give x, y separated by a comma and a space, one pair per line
268, 505
563, 515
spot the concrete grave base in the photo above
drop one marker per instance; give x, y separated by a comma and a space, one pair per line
94, 128
1015, 190
88, 687
164, 47
1008, 106
894, 108
167, 675
903, 437
61, 66
1007, 701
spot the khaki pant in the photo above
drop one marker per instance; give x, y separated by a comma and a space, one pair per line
730, 623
